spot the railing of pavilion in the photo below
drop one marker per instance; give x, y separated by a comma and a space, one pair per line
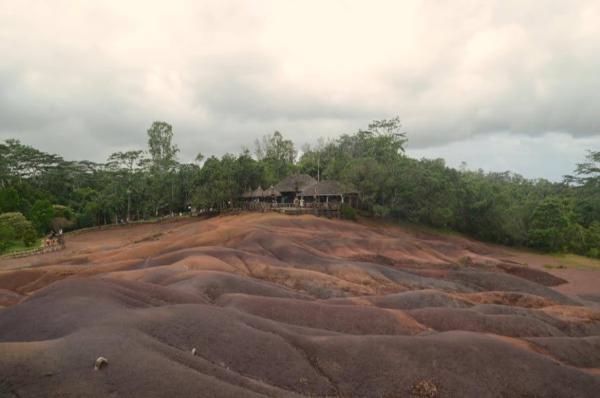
316, 208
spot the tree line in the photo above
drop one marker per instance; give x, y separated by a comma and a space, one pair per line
40, 192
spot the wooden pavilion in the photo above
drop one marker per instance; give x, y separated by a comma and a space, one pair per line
301, 190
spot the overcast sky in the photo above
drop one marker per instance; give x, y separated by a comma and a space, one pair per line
502, 85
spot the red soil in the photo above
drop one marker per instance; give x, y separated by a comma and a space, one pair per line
280, 306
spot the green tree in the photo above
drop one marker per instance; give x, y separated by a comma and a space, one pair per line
163, 162
217, 184
22, 162
589, 171
277, 154
9, 200
550, 225
586, 190
186, 177
63, 217
160, 146
593, 239
41, 215
248, 173
125, 167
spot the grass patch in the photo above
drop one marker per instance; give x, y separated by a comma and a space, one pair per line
573, 261
19, 246
554, 266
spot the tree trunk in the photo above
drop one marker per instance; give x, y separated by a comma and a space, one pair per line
128, 206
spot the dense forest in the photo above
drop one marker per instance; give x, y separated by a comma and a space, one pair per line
40, 192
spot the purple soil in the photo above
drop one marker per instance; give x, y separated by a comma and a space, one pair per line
280, 306
534, 275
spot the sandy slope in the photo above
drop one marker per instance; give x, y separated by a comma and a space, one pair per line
282, 306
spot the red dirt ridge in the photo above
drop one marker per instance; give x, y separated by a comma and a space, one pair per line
284, 306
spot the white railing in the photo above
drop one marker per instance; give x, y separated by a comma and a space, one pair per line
271, 206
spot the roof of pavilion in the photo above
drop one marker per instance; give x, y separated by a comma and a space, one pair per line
303, 185
327, 188
294, 183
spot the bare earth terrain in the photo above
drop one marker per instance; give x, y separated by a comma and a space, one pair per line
283, 306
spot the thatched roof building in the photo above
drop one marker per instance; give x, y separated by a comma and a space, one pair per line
303, 186
258, 192
294, 183
271, 192
253, 194
327, 188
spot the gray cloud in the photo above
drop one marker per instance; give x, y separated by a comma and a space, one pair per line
86, 80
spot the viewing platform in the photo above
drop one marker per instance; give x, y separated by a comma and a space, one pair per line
318, 209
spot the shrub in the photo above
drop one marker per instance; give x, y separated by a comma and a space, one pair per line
576, 236
348, 213
545, 239
22, 229
7, 234
381, 211
30, 236
593, 239
17, 221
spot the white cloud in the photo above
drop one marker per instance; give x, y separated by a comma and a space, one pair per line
87, 78
549, 156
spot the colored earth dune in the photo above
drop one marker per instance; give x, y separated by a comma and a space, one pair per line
283, 306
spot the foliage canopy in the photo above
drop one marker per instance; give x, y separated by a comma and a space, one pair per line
499, 207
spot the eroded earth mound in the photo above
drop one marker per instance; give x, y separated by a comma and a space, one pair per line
266, 305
